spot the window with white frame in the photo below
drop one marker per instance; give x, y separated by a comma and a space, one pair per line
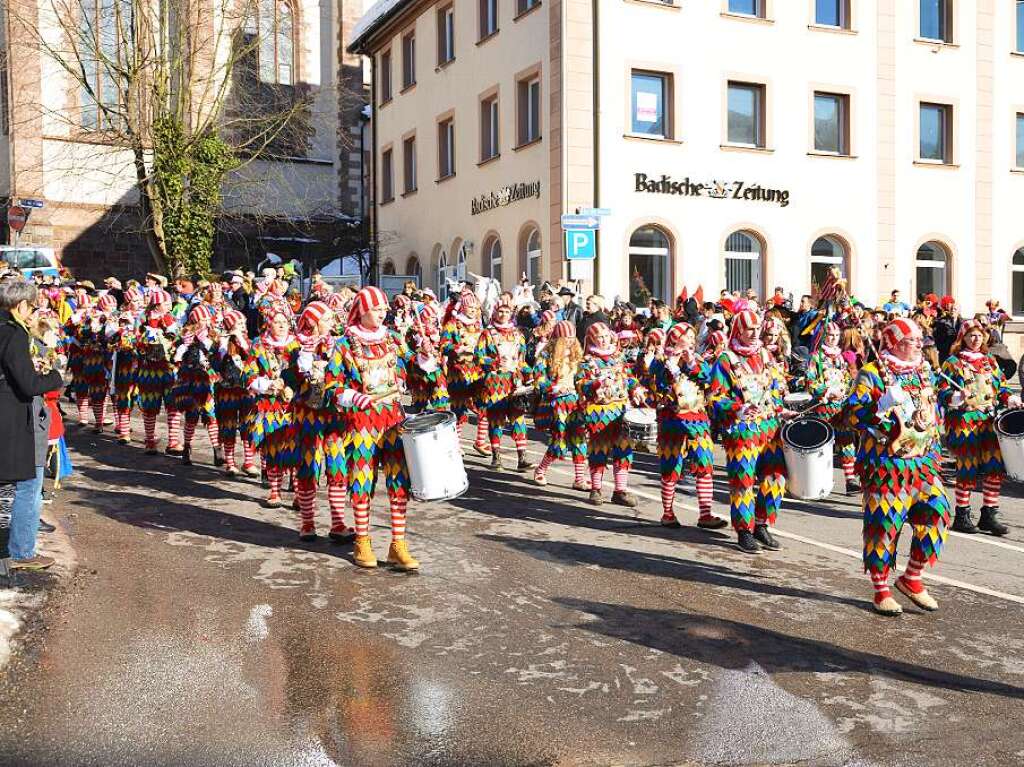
936, 20
650, 258
529, 110
489, 146
1020, 26
522, 6
746, 121
747, 7
650, 97
409, 165
445, 34
1020, 140
932, 269
385, 77
1017, 284
533, 256
446, 148
936, 133
277, 44
827, 252
743, 262
832, 13
387, 176
409, 60
832, 123
488, 18
492, 256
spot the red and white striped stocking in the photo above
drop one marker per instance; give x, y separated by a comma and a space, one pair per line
990, 487
542, 467
621, 473
596, 477
149, 423
190, 431
274, 478
705, 492
336, 497
668, 495
398, 508
249, 454
361, 512
579, 470
213, 431
229, 453
963, 492
83, 409
849, 467
880, 583
99, 412
305, 492
174, 432
912, 575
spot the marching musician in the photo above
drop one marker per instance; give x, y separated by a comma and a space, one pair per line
894, 408
971, 387
319, 428
76, 330
829, 381
459, 338
558, 408
501, 355
156, 372
273, 432
606, 386
746, 398
678, 381
193, 390
233, 402
100, 327
428, 388
124, 341
365, 378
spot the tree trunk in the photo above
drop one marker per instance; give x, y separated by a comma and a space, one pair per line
152, 212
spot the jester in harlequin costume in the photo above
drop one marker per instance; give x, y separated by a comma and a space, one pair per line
403, 316
124, 342
829, 382
629, 338
558, 412
366, 376
972, 387
541, 337
193, 390
746, 399
319, 427
156, 372
273, 432
772, 331
501, 354
233, 402
459, 339
894, 408
98, 355
75, 331
653, 350
428, 389
606, 386
677, 382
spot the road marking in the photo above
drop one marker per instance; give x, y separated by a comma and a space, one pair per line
828, 546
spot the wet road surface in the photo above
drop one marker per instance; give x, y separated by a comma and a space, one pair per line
541, 630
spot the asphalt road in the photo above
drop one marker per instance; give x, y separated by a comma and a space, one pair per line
541, 631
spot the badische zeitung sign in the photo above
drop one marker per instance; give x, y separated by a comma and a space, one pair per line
505, 196
713, 188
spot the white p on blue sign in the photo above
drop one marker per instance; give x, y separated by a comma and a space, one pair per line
580, 244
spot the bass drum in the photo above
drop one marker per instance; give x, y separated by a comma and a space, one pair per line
807, 446
433, 454
641, 425
1010, 433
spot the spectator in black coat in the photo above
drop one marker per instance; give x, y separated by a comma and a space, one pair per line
21, 417
947, 327
594, 313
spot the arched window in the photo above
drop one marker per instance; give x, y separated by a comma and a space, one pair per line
492, 258
442, 275
932, 269
826, 252
1017, 279
460, 266
389, 268
277, 41
532, 257
413, 268
650, 252
743, 262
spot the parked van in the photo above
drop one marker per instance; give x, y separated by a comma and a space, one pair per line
31, 260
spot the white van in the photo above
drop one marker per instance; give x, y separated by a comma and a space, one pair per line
31, 260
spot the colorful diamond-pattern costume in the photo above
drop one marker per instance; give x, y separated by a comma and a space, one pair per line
465, 376
501, 355
558, 412
155, 374
273, 432
604, 384
827, 373
970, 429
899, 462
428, 389
233, 402
753, 447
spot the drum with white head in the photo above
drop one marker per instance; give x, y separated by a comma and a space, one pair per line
807, 447
433, 454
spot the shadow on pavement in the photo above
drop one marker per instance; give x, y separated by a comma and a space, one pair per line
733, 645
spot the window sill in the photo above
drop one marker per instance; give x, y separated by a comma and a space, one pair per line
383, 104
653, 139
489, 160
831, 29
1016, 170
486, 38
407, 88
668, 5
936, 164
1018, 54
527, 12
444, 178
747, 18
746, 148
409, 192
385, 203
528, 144
444, 64
833, 155
936, 45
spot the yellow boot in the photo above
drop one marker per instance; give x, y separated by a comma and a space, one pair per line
400, 558
363, 554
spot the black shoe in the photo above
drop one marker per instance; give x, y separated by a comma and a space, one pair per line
175, 451
45, 527
524, 464
853, 487
342, 537
765, 538
747, 543
495, 460
186, 456
218, 457
962, 521
990, 523
307, 537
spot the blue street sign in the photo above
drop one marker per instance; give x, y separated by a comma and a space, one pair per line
595, 212
580, 245
30, 203
572, 223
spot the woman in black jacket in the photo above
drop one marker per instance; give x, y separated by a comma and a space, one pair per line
19, 383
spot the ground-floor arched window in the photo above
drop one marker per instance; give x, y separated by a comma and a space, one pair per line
650, 254
1017, 284
932, 269
827, 252
744, 262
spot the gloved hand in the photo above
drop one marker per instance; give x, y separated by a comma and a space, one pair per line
1014, 401
362, 401
261, 385
957, 400
673, 367
180, 354
889, 399
304, 361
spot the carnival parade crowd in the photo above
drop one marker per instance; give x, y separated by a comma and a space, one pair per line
308, 393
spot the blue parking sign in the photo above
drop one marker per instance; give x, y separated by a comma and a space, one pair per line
580, 245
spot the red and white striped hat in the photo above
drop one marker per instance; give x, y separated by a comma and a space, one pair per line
335, 300
159, 296
657, 334
201, 314
232, 319
133, 296
744, 320
106, 304
897, 330
366, 299
564, 329
594, 330
677, 332
311, 316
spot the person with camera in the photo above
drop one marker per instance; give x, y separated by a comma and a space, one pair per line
24, 421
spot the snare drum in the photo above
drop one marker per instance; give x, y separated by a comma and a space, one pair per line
641, 426
1010, 433
524, 399
807, 447
430, 442
797, 401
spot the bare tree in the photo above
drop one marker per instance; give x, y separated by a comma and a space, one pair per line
175, 89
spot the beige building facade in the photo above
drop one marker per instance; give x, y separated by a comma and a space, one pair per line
735, 143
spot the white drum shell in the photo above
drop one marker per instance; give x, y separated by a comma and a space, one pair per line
1012, 448
434, 459
810, 474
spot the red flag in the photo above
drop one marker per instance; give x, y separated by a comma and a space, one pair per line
698, 296
683, 296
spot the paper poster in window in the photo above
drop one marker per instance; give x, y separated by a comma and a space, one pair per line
646, 107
